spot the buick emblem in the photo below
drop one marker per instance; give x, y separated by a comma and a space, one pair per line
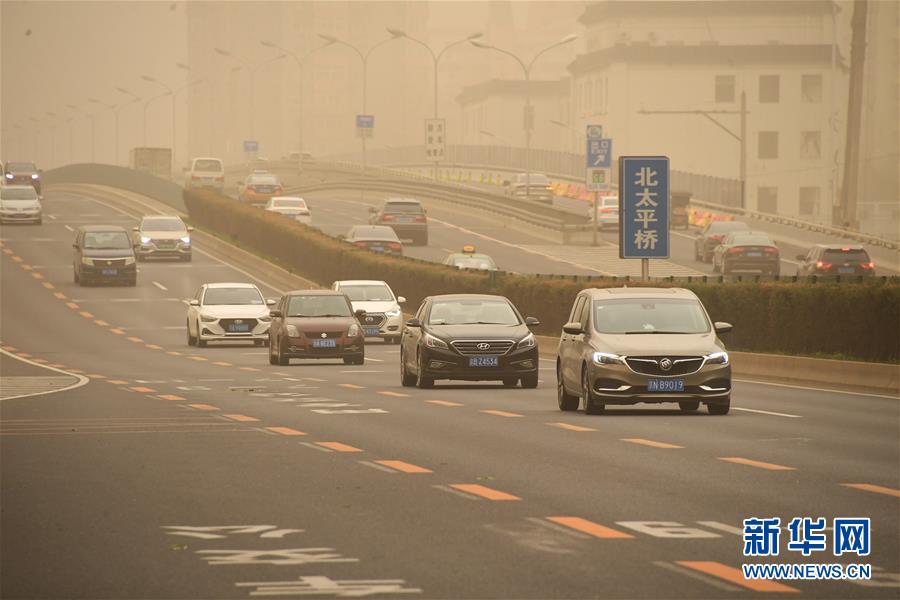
238, 321
483, 346
324, 335
369, 319
665, 364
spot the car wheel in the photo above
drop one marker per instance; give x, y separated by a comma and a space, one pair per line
282, 359
407, 379
689, 405
422, 381
75, 275
39, 222
591, 406
510, 381
719, 407
132, 282
200, 341
190, 339
273, 358
349, 360
186, 258
566, 401
529, 382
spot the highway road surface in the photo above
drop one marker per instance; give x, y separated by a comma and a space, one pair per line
159, 470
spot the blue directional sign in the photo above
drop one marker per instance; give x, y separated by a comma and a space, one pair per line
599, 152
251, 146
365, 121
644, 207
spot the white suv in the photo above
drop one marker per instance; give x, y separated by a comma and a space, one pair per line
205, 173
383, 319
228, 311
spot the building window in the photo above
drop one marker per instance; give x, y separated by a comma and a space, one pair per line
767, 200
811, 88
768, 144
809, 201
724, 88
769, 88
810, 144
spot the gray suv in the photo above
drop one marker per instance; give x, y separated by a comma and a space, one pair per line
631, 345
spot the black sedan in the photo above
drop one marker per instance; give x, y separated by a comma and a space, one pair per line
377, 238
471, 337
712, 235
747, 251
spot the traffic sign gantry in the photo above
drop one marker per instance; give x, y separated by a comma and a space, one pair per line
598, 155
644, 208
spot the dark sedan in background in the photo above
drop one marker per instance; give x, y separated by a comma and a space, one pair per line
747, 251
104, 254
316, 324
406, 216
376, 238
22, 173
834, 260
471, 337
712, 235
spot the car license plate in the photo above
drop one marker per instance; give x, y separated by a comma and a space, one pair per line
665, 385
483, 361
845, 270
404, 219
110, 271
371, 331
754, 254
326, 343
239, 328
376, 248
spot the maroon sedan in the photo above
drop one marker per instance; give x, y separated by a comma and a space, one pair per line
316, 324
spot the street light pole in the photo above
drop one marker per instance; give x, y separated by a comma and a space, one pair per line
135, 99
93, 136
436, 58
115, 111
172, 93
528, 116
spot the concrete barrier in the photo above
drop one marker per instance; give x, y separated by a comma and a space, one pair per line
848, 375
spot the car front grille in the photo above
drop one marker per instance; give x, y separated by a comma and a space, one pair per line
482, 347
650, 365
321, 335
112, 262
165, 244
243, 325
373, 320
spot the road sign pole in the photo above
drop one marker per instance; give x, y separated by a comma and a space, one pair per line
594, 219
645, 269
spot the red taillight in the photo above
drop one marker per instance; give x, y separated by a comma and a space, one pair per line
735, 250
195, 178
387, 217
606, 210
716, 238
420, 218
823, 265
868, 265
222, 178
395, 246
771, 250
361, 245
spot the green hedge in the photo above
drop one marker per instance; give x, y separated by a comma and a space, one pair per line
860, 320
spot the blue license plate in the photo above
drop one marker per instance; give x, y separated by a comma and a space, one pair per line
404, 220
372, 331
754, 254
239, 328
326, 343
483, 361
110, 271
665, 385
845, 270
376, 248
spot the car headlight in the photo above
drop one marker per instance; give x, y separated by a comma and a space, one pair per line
433, 342
87, 261
526, 342
292, 331
208, 318
717, 358
605, 358
35, 176
393, 313
186, 239
9, 176
129, 260
353, 331
145, 240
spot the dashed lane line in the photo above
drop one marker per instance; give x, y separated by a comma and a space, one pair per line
160, 286
241, 418
571, 427
878, 489
500, 413
651, 443
285, 431
591, 528
444, 403
483, 492
767, 412
755, 463
403, 467
339, 447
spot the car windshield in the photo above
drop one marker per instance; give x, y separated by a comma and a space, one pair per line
850, 255
288, 204
650, 315
107, 240
222, 296
318, 306
207, 165
472, 312
403, 208
18, 194
263, 180
756, 239
726, 226
377, 292
373, 233
19, 167
162, 225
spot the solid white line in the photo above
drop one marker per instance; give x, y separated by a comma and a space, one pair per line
814, 389
768, 412
375, 359
54, 217
160, 286
69, 228
81, 379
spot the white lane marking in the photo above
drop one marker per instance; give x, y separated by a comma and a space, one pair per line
375, 359
377, 466
814, 389
69, 228
82, 380
54, 217
160, 286
767, 412
357, 372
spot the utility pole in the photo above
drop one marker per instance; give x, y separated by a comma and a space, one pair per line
847, 214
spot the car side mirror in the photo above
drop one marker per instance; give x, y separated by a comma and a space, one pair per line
270, 302
41, 198
190, 229
400, 299
134, 228
532, 322
414, 322
573, 328
276, 314
722, 327
194, 302
801, 257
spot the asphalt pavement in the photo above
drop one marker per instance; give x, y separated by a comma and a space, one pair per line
182, 472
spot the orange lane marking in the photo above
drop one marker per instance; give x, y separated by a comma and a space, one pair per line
86, 314
394, 394
500, 413
116, 381
18, 259
153, 346
173, 353
223, 364
9, 348
650, 443
736, 576
27, 267
58, 365
204, 407
444, 403
591, 528
40, 360
7, 251
79, 371
403, 467
169, 397
755, 463
72, 305
135, 339
484, 492
101, 323
143, 390
24, 354
339, 447
254, 369
285, 431
571, 427
59, 295
242, 418
96, 376
48, 285
117, 331
352, 386
878, 489
37, 275
198, 358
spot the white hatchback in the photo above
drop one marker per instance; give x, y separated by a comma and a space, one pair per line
228, 312
607, 211
383, 319
205, 173
290, 206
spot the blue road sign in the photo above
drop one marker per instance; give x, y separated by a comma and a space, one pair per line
251, 146
644, 207
365, 121
599, 153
